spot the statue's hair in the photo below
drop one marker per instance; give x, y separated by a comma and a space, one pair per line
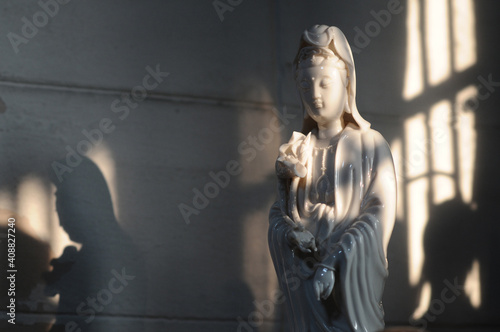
320, 56
307, 55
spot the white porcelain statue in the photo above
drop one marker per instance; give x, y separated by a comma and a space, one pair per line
330, 228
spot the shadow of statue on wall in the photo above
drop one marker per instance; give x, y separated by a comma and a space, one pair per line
104, 277
459, 250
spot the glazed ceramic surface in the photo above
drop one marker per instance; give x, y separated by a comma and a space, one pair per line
332, 222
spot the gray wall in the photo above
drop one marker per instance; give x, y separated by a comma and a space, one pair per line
229, 78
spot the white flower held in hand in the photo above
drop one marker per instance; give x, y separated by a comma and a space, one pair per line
294, 153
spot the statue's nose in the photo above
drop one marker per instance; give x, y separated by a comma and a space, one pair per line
316, 94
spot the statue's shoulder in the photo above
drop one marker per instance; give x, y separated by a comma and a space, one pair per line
368, 137
352, 131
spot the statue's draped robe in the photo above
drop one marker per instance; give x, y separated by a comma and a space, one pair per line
364, 212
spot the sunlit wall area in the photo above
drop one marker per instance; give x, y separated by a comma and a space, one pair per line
440, 141
414, 80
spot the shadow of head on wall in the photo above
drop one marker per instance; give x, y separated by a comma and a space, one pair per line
102, 277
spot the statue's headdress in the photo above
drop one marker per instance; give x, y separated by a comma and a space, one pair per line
322, 40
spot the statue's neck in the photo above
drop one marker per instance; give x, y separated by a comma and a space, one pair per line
329, 130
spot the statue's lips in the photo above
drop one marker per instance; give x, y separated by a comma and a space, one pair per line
318, 104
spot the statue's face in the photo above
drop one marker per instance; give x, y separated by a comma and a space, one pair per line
323, 92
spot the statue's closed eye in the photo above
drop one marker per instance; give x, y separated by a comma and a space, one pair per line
326, 82
305, 85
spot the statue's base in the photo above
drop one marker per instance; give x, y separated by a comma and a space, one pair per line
403, 329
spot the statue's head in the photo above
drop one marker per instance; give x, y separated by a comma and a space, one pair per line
322, 83
325, 76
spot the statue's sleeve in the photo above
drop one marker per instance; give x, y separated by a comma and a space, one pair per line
378, 206
360, 255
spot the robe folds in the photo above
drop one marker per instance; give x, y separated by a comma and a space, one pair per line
356, 244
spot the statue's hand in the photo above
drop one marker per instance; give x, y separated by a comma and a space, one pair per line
302, 239
324, 280
290, 167
296, 166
